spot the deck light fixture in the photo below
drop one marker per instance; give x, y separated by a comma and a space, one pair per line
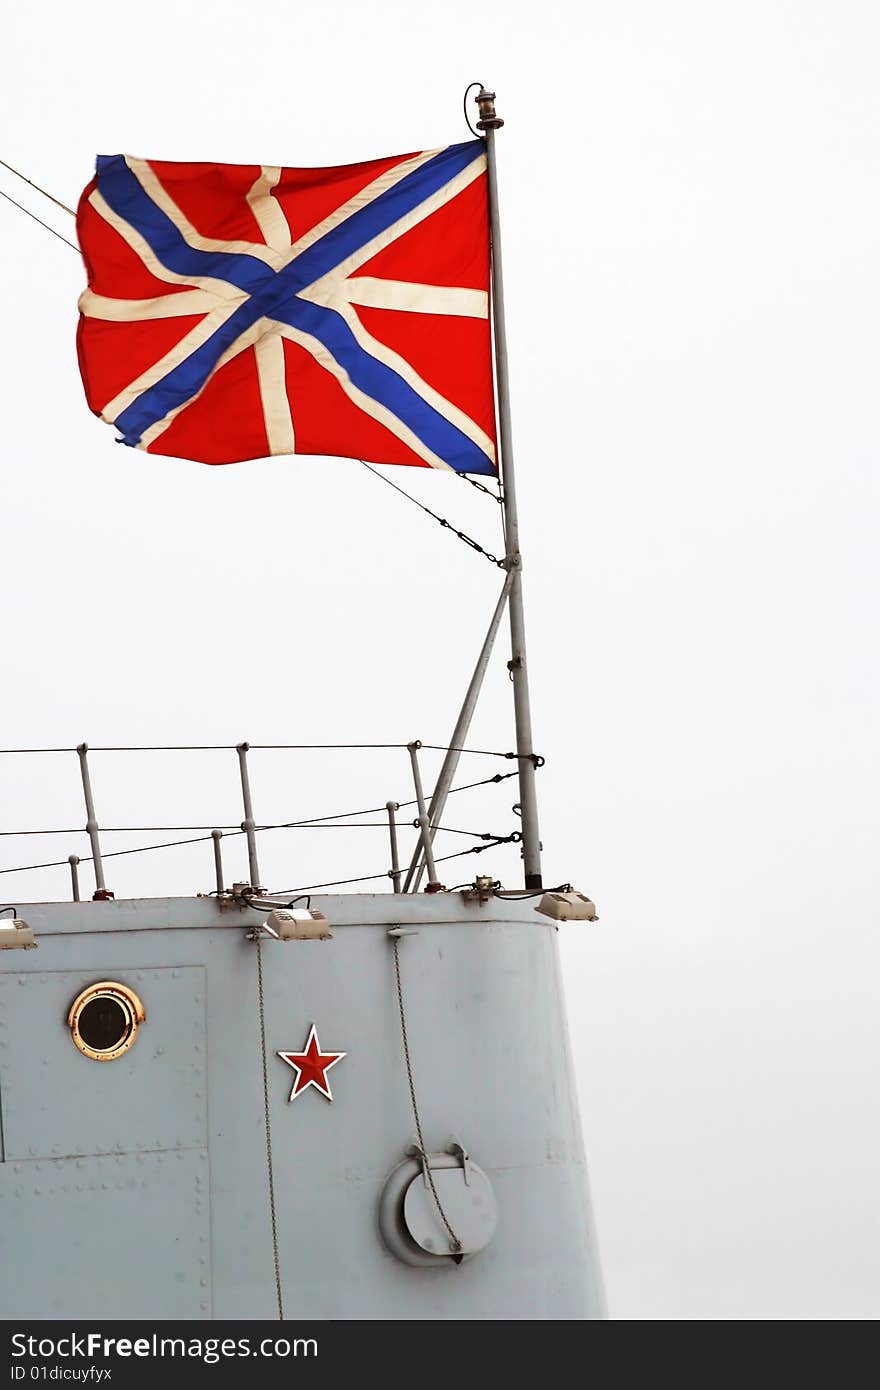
568, 907
297, 924
15, 935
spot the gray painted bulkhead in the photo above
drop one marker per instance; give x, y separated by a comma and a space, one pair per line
138, 1188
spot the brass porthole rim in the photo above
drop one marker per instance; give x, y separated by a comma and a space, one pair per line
131, 1006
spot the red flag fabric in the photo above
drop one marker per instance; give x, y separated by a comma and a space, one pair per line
239, 311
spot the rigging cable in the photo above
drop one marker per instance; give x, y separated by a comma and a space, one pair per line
236, 829
271, 747
447, 525
225, 748
34, 216
496, 496
514, 838
286, 825
24, 178
469, 88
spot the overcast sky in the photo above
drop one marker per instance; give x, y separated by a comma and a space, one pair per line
690, 221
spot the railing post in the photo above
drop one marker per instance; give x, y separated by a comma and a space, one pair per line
217, 836
247, 824
423, 822
101, 890
391, 807
73, 861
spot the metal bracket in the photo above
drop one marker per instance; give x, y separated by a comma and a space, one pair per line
396, 932
240, 893
416, 1151
455, 1148
461, 1152
481, 890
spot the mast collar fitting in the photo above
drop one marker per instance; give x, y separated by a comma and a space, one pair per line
486, 106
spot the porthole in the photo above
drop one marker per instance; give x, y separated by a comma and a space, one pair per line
104, 1019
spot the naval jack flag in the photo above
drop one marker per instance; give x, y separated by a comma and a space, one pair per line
238, 311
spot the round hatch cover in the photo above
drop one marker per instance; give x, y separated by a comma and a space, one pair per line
467, 1200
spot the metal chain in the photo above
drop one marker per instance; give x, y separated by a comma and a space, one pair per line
447, 525
456, 1243
259, 941
468, 540
481, 487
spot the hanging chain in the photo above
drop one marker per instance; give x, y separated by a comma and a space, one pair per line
456, 1243
259, 941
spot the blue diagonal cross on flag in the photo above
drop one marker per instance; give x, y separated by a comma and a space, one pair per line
237, 311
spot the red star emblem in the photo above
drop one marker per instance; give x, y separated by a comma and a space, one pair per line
311, 1066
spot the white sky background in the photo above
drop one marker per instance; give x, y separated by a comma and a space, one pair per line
690, 205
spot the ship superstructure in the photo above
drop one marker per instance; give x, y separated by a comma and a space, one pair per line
256, 1102
136, 1183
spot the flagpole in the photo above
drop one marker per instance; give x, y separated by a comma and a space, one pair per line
489, 122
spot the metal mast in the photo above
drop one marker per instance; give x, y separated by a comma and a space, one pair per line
489, 122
